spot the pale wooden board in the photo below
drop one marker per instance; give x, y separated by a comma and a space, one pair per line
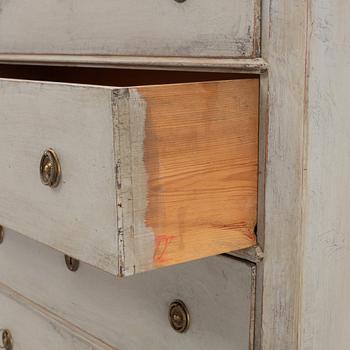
189, 161
32, 328
132, 313
224, 28
151, 176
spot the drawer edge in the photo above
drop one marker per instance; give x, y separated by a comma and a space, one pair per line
229, 65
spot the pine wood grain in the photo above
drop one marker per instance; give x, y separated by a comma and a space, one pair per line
200, 153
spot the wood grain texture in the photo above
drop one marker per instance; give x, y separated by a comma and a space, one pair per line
200, 154
131, 313
151, 176
197, 28
197, 167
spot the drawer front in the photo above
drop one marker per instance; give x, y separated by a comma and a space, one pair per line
32, 328
151, 176
132, 313
199, 28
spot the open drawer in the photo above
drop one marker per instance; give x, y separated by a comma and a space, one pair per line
149, 176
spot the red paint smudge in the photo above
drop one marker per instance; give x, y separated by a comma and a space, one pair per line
162, 244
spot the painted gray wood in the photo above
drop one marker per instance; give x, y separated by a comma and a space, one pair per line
132, 313
283, 93
303, 282
197, 28
326, 277
79, 216
232, 65
32, 328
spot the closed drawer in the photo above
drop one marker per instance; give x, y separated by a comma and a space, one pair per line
150, 176
32, 328
198, 28
132, 313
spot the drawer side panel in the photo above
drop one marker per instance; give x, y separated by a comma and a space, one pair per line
191, 155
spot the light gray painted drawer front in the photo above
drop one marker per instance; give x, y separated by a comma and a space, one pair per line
222, 28
32, 328
132, 313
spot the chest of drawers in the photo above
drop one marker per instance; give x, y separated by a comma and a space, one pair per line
128, 171
167, 132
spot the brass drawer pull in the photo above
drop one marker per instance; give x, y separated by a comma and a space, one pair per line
179, 317
50, 168
72, 264
7, 342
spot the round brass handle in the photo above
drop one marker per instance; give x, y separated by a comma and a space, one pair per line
72, 264
179, 317
50, 168
6, 337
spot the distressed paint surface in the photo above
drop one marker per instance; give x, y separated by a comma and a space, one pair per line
305, 279
197, 28
326, 277
136, 240
77, 217
131, 313
33, 328
284, 47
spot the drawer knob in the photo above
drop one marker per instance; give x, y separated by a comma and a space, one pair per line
72, 264
6, 337
179, 316
50, 168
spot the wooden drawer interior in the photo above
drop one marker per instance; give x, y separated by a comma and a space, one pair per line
112, 77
